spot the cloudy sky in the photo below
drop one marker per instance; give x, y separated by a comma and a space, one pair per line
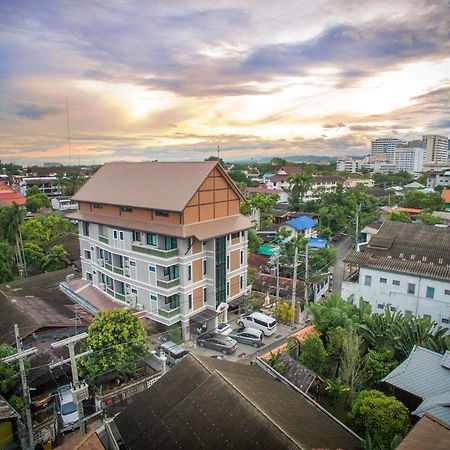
172, 80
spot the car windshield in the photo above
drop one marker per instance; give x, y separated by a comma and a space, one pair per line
228, 341
179, 355
68, 408
272, 324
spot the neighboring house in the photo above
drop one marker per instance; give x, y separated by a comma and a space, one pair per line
428, 433
64, 204
8, 196
350, 183
302, 224
441, 178
47, 185
289, 170
446, 197
283, 196
422, 382
369, 231
208, 403
405, 266
413, 185
170, 242
9, 429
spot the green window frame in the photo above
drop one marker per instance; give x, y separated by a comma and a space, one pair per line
151, 239
172, 272
170, 243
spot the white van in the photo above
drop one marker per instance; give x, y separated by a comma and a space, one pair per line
267, 324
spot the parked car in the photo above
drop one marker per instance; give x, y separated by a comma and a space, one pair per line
67, 409
215, 341
249, 336
267, 324
173, 352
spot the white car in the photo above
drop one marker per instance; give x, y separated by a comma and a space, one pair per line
67, 409
267, 324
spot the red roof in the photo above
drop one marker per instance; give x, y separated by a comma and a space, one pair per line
446, 195
292, 169
410, 210
263, 190
8, 196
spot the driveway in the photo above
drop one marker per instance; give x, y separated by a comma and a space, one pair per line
343, 247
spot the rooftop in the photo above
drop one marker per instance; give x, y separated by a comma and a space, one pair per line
165, 186
7, 411
208, 403
302, 223
425, 374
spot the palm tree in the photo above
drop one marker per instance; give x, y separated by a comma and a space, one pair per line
300, 185
56, 258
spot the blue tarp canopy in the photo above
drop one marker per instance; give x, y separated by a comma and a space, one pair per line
267, 250
302, 223
317, 243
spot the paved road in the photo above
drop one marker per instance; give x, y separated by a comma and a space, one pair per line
343, 247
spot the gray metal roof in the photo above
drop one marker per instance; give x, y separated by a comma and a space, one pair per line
6, 410
424, 375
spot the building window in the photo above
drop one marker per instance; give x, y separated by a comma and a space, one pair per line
97, 205
190, 301
241, 282
411, 288
205, 295
151, 239
228, 262
85, 228
162, 213
235, 235
121, 235
427, 317
447, 292
87, 254
396, 282
173, 301
189, 273
115, 234
380, 305
228, 288
445, 320
89, 276
242, 257
204, 267
126, 209
172, 272
152, 269
136, 236
154, 297
132, 263
368, 280
383, 280
170, 243
408, 314
430, 292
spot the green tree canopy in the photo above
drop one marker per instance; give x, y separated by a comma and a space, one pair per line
117, 339
377, 364
428, 219
33, 190
420, 200
254, 241
377, 414
313, 354
34, 254
7, 262
55, 259
9, 373
400, 216
37, 201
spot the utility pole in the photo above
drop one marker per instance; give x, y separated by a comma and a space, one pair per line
20, 356
306, 275
79, 389
294, 284
278, 278
358, 209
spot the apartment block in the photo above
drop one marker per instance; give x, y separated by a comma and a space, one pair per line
164, 238
436, 148
349, 164
409, 159
383, 149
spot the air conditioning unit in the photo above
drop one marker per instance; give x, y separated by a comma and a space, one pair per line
131, 299
101, 262
140, 306
102, 286
127, 271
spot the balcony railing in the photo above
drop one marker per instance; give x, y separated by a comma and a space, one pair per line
103, 239
118, 270
168, 313
168, 284
155, 251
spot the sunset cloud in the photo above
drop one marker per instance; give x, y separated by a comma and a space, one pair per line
173, 80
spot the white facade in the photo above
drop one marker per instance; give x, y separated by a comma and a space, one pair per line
353, 182
409, 159
439, 179
135, 269
384, 148
410, 294
348, 164
436, 148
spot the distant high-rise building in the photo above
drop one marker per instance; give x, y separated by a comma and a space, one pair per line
436, 148
409, 159
348, 164
383, 149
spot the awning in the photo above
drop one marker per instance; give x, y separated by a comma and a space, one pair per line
203, 316
238, 301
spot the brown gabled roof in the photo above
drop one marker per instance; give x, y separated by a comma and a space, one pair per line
292, 169
153, 185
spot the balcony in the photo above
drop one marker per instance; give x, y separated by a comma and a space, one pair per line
103, 239
168, 284
168, 313
155, 251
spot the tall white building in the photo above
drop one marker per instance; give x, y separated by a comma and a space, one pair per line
436, 148
409, 159
348, 164
383, 149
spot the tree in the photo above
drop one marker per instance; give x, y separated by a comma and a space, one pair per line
9, 373
300, 185
377, 364
278, 162
7, 261
117, 339
265, 203
216, 158
34, 254
37, 201
380, 415
33, 190
313, 354
417, 199
55, 259
428, 219
284, 313
351, 366
401, 216
254, 241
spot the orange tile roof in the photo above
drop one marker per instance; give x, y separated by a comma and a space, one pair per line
8, 196
410, 210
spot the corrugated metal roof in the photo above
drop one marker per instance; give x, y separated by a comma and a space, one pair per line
7, 411
154, 185
367, 259
302, 223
